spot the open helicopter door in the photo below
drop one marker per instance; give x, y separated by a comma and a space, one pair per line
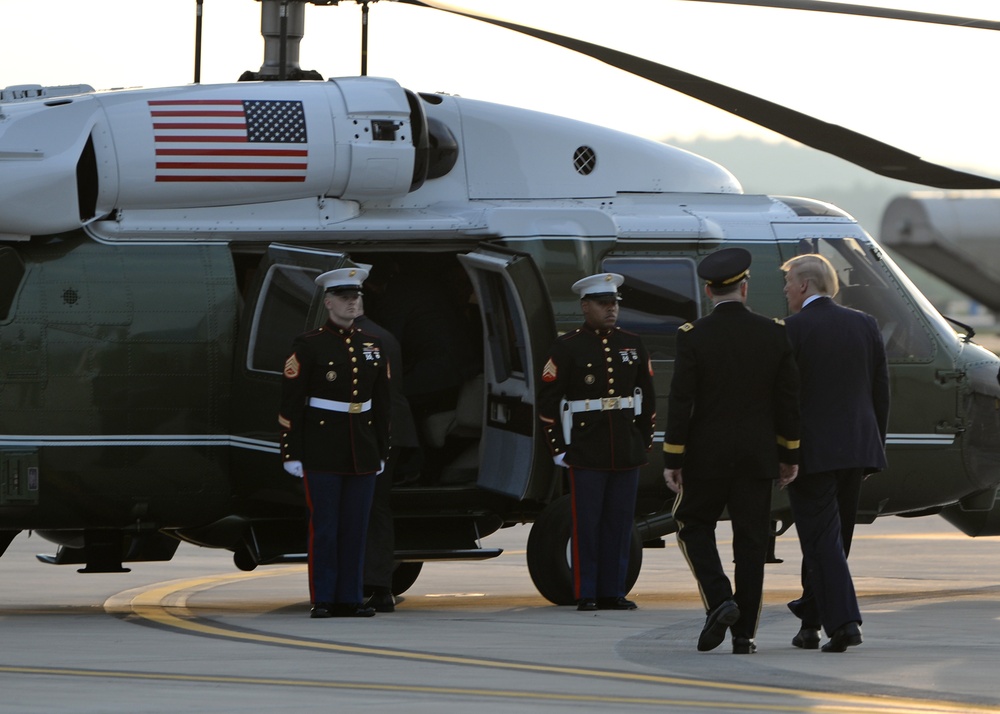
518, 330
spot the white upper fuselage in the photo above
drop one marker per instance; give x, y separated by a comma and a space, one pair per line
277, 157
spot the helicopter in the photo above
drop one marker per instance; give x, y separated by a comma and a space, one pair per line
157, 255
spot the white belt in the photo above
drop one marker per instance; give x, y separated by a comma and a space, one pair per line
604, 404
332, 406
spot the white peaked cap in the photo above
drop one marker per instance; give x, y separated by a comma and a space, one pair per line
600, 284
343, 279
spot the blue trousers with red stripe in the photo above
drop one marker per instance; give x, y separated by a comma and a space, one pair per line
339, 505
603, 512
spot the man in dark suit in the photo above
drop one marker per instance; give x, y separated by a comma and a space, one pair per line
335, 411
732, 429
845, 412
596, 405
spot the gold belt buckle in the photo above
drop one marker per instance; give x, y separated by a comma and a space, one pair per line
354, 408
610, 403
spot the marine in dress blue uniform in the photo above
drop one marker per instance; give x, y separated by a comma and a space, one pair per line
732, 429
845, 414
597, 404
335, 414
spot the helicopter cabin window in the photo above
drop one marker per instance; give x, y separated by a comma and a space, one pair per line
658, 296
505, 336
867, 284
11, 273
282, 314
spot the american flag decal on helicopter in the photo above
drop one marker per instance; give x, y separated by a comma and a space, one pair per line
229, 140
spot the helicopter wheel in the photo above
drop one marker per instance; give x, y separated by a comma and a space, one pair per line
244, 560
404, 576
550, 557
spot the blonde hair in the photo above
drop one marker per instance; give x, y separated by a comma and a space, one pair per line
816, 268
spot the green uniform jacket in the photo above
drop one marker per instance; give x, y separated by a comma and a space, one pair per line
733, 408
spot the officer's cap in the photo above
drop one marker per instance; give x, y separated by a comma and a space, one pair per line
725, 267
343, 280
602, 285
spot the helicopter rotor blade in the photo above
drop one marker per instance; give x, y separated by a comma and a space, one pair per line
843, 8
871, 154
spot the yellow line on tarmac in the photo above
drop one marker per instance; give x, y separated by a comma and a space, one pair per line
166, 604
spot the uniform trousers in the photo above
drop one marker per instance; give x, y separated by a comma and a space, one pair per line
825, 507
339, 505
697, 510
603, 514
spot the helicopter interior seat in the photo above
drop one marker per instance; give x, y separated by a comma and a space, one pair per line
872, 300
461, 428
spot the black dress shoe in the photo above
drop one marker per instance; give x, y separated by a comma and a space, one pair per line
586, 604
382, 602
744, 645
321, 609
845, 636
352, 609
615, 603
716, 624
806, 639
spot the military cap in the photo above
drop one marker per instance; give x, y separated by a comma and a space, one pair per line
602, 285
725, 267
343, 280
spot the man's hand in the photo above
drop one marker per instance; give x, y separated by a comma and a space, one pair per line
787, 474
673, 479
294, 468
560, 459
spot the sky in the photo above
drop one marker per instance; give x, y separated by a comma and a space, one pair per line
927, 89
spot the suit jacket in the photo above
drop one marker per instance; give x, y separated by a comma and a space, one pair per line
344, 366
845, 387
734, 398
592, 364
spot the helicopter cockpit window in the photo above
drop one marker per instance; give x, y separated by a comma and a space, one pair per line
868, 284
658, 296
11, 273
282, 314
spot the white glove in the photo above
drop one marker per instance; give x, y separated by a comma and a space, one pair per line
294, 468
381, 467
560, 459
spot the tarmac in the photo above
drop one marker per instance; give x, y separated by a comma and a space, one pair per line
195, 634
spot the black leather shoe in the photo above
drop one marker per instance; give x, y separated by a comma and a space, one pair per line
615, 603
321, 609
806, 639
744, 645
716, 624
352, 609
845, 636
586, 604
382, 602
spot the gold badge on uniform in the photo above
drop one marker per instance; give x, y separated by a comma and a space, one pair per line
589, 379
331, 375
292, 367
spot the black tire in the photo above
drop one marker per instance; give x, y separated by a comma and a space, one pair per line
404, 576
549, 560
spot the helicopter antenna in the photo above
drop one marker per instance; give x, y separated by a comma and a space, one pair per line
197, 43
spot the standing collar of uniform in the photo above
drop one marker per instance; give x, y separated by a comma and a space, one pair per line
345, 332
730, 305
599, 333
